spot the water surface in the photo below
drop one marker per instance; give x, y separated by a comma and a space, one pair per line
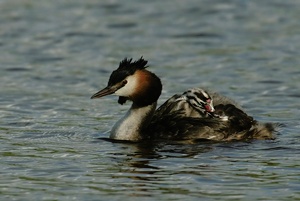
56, 54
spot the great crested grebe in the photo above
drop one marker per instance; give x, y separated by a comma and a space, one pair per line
193, 115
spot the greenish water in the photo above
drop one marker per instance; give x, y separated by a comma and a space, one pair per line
55, 54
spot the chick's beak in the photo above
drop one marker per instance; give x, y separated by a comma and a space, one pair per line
104, 92
209, 106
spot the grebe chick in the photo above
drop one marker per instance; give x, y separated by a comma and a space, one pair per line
189, 116
195, 102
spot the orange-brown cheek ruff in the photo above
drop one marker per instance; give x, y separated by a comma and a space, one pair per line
148, 88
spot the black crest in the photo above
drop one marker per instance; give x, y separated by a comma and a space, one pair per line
127, 67
128, 64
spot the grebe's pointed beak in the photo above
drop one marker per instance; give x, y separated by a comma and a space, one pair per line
104, 92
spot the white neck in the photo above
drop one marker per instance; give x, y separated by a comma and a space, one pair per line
130, 126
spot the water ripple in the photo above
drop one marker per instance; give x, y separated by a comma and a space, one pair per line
55, 54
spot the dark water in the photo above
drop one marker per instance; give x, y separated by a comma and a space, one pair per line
55, 54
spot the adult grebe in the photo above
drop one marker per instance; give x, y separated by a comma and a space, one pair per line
188, 116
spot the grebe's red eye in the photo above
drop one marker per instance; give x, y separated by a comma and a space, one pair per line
124, 82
